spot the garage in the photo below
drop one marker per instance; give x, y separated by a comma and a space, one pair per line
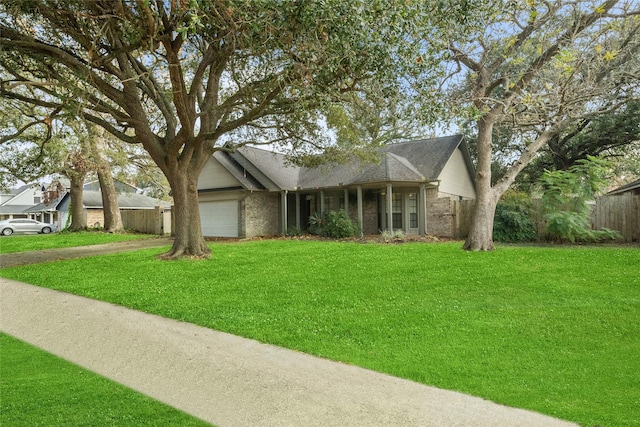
219, 218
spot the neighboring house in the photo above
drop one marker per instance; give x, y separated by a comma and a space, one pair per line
92, 202
254, 192
51, 204
50, 212
56, 200
631, 188
16, 203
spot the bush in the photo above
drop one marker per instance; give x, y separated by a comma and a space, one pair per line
334, 224
567, 225
512, 223
565, 197
574, 227
294, 231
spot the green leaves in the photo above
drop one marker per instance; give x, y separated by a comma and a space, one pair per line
334, 224
566, 196
512, 221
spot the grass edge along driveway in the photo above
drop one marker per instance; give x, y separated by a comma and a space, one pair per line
64, 239
549, 329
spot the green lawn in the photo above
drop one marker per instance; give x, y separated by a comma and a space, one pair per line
553, 329
35, 242
39, 389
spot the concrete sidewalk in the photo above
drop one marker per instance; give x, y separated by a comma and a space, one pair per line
232, 381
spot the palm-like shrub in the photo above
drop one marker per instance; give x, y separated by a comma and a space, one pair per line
564, 202
334, 224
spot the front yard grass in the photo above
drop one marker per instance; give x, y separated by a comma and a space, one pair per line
553, 330
36, 242
39, 389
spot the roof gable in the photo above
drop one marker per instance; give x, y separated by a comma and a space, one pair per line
272, 168
429, 156
419, 160
20, 197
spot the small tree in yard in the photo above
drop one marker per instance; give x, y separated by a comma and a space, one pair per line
564, 202
187, 78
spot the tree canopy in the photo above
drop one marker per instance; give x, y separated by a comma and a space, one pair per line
531, 72
185, 79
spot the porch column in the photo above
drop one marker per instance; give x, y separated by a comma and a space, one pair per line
298, 211
360, 213
422, 210
283, 207
321, 202
389, 207
346, 201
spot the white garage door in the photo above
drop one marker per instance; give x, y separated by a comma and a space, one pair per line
220, 218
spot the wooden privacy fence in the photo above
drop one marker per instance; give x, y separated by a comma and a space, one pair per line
461, 211
619, 212
151, 221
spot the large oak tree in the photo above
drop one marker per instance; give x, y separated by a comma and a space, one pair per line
538, 69
187, 78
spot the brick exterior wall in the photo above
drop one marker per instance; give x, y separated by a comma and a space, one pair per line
439, 218
259, 215
94, 216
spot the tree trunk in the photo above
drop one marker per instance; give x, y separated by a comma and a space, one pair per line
480, 236
188, 240
78, 218
111, 209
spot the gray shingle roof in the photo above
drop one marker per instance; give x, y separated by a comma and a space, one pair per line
21, 189
93, 199
419, 160
429, 156
627, 187
52, 206
14, 209
274, 166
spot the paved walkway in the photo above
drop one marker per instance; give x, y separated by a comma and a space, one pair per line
47, 255
233, 381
